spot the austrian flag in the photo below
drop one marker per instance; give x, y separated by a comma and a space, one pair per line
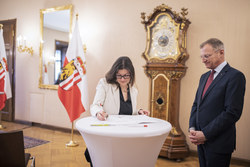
72, 90
3, 67
3, 70
72, 73
5, 89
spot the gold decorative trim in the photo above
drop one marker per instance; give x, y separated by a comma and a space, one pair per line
42, 12
184, 13
151, 73
174, 131
174, 75
162, 8
26, 49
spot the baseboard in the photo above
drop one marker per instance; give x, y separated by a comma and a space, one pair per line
234, 161
23, 122
240, 161
50, 127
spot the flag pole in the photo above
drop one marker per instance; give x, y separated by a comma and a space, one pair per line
72, 143
1, 126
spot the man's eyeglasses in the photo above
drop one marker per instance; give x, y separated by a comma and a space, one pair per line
126, 76
208, 55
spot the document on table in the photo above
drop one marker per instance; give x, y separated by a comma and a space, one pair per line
124, 120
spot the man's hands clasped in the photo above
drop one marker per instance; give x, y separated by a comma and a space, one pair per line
197, 137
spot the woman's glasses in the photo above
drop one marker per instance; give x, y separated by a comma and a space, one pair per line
126, 76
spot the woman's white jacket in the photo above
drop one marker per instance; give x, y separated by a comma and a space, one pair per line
107, 98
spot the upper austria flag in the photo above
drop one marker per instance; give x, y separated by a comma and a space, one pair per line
73, 89
5, 89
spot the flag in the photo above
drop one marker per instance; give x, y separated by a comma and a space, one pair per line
5, 89
72, 90
45, 75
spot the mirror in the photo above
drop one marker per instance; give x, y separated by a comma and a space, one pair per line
56, 27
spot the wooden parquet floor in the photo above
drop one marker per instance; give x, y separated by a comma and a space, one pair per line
56, 154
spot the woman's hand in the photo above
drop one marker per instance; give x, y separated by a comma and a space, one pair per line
143, 112
102, 116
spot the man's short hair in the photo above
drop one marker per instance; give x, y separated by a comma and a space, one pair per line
215, 43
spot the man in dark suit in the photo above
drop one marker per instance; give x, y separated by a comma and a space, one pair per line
217, 107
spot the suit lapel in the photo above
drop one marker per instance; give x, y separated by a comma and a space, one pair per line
216, 80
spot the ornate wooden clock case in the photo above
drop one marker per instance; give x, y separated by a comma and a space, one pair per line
166, 55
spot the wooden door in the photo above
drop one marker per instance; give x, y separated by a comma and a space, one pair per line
9, 35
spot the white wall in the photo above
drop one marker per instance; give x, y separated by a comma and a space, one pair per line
112, 28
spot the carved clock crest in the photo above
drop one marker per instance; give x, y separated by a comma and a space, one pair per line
166, 54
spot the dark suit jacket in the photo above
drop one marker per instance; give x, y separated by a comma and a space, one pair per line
217, 112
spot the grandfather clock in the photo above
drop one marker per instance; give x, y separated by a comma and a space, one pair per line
165, 55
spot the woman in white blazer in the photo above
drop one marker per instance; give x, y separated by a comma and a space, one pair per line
107, 98
115, 94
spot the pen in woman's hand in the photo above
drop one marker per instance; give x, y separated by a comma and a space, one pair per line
102, 116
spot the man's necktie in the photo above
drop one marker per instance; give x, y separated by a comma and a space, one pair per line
209, 81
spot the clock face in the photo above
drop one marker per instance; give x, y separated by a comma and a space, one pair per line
164, 42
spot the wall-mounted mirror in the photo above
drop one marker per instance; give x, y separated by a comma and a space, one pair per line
56, 26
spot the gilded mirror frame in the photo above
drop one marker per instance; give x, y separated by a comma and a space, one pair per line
42, 12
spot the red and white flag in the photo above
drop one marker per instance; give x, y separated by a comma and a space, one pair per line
5, 89
73, 89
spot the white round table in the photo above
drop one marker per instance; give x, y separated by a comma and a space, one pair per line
124, 141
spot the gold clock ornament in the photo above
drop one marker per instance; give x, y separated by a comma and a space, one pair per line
165, 56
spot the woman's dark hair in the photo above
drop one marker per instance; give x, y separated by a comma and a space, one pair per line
123, 62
